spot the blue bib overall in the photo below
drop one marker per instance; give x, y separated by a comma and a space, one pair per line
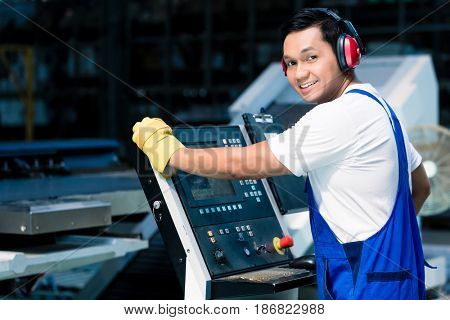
387, 265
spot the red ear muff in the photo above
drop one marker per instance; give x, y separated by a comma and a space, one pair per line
352, 52
283, 66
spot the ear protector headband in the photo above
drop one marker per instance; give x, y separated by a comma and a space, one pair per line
349, 47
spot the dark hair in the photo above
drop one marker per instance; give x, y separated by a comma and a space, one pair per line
307, 18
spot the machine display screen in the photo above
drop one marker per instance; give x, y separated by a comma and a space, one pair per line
203, 188
206, 188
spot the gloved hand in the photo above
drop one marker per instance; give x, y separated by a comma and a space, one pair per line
154, 137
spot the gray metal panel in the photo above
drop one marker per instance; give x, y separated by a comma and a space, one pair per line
40, 217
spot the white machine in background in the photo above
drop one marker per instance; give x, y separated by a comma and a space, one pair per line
407, 82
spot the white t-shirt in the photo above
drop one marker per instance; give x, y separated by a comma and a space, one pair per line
347, 147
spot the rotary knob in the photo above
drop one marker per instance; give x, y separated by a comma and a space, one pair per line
219, 256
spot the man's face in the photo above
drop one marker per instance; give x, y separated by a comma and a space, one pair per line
312, 67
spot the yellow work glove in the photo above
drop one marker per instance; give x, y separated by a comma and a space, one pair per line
143, 130
154, 137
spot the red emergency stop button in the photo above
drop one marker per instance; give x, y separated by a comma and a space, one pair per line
286, 242
283, 243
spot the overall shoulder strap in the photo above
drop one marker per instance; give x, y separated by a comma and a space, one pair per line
400, 142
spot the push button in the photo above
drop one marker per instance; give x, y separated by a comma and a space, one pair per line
210, 233
241, 236
227, 231
213, 240
247, 252
238, 229
221, 231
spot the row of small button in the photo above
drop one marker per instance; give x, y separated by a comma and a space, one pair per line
247, 182
253, 194
224, 231
243, 228
229, 141
240, 231
221, 209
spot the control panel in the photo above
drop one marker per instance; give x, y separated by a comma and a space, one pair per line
233, 221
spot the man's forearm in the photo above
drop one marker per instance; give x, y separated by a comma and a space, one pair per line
421, 187
211, 162
251, 162
419, 200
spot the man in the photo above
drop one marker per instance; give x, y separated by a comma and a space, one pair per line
360, 165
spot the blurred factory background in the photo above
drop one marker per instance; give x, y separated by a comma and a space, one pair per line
80, 73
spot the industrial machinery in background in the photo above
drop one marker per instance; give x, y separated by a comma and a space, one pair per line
61, 208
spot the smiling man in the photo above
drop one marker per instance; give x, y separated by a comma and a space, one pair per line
365, 179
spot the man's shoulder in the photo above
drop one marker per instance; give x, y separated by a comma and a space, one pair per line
346, 102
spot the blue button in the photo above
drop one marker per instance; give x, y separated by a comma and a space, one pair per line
201, 211
213, 210
207, 210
